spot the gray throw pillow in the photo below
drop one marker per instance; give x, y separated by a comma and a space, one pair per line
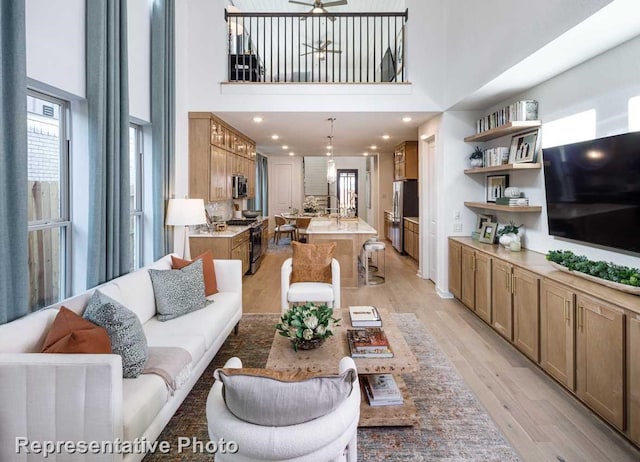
272, 398
124, 329
179, 291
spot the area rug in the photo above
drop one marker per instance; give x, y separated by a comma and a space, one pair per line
453, 424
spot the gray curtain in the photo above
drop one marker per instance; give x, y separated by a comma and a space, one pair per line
162, 119
262, 185
109, 252
14, 271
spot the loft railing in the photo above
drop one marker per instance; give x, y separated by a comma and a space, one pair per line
321, 48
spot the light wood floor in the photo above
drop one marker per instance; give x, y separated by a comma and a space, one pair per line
540, 419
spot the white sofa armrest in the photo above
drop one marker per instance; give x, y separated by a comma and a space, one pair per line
285, 277
228, 275
59, 397
335, 282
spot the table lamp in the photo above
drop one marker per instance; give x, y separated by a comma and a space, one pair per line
185, 212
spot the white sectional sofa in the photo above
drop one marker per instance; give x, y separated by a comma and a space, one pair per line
83, 398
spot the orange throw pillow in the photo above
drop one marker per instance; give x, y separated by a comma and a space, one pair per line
71, 333
312, 262
208, 270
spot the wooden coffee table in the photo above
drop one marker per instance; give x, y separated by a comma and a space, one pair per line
325, 360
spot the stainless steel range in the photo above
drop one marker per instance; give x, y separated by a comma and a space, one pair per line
255, 239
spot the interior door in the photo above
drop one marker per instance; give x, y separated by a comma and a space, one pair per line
282, 184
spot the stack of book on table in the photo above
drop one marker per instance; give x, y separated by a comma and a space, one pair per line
381, 390
513, 201
364, 316
369, 342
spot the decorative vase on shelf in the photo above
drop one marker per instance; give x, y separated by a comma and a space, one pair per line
476, 163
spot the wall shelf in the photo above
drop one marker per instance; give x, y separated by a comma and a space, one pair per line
504, 208
504, 168
503, 130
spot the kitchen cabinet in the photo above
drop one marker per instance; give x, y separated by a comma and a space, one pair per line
265, 237
557, 332
412, 239
468, 278
502, 303
600, 358
483, 286
216, 151
633, 377
405, 161
526, 334
455, 275
224, 247
388, 225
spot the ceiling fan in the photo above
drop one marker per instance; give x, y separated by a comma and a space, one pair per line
321, 49
319, 7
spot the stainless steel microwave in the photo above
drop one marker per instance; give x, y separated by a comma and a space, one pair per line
239, 186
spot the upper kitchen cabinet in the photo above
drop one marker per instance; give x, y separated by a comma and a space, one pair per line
217, 151
405, 161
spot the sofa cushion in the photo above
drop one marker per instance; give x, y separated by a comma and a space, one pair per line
271, 398
208, 270
310, 292
312, 262
70, 333
26, 334
179, 291
124, 329
165, 336
208, 322
142, 400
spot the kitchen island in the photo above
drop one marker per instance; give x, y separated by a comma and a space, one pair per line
349, 234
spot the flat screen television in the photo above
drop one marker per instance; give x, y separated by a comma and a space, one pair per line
593, 191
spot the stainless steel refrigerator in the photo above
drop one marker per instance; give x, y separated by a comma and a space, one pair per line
405, 204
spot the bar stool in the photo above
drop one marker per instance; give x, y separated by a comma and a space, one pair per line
374, 272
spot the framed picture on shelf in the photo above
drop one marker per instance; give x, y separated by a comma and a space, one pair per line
488, 232
525, 147
482, 219
496, 184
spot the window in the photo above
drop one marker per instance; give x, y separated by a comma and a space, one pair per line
48, 203
135, 202
348, 191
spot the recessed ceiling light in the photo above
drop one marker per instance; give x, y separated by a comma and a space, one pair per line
292, 153
329, 147
406, 119
257, 119
365, 154
285, 147
423, 137
275, 137
385, 137
374, 147
328, 153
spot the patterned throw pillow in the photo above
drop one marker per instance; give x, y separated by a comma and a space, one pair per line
124, 329
312, 262
178, 292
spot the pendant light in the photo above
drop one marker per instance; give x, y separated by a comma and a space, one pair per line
332, 173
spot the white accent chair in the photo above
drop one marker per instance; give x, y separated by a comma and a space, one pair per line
300, 292
332, 437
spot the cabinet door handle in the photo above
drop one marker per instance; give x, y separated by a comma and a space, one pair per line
567, 310
580, 318
513, 283
507, 278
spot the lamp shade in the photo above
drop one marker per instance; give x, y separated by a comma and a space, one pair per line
185, 212
332, 174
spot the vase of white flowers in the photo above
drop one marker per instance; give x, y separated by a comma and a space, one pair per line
307, 325
310, 205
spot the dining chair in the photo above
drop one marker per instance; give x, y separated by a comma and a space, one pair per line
302, 223
282, 226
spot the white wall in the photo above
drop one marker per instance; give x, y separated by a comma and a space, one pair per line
139, 49
297, 189
483, 39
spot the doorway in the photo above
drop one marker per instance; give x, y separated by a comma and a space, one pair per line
347, 190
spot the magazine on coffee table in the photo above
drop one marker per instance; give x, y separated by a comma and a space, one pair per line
368, 342
381, 390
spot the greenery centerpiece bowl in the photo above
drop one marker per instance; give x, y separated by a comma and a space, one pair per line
307, 325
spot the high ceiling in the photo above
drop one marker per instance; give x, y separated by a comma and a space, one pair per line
305, 133
279, 6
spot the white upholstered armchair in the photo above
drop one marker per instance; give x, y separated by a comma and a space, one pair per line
300, 292
330, 437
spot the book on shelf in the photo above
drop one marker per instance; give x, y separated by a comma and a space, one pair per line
364, 316
382, 390
512, 201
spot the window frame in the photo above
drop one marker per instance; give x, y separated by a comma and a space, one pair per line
137, 212
64, 222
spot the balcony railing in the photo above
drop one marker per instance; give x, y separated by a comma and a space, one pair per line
321, 48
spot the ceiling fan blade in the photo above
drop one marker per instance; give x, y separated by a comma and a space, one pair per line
333, 51
301, 3
336, 3
311, 46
